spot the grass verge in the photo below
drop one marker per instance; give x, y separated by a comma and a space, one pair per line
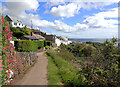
68, 73
53, 73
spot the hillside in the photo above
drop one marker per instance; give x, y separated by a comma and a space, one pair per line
18, 32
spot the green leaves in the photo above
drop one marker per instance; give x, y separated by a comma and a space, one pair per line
29, 46
18, 32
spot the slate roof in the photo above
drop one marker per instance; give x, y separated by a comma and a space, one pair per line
14, 19
34, 37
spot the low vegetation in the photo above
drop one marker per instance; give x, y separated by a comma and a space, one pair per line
19, 32
67, 72
97, 64
53, 73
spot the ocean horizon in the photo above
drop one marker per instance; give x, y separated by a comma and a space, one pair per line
100, 40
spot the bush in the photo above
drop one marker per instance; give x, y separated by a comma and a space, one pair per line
18, 32
47, 47
47, 43
66, 55
40, 44
80, 49
86, 51
28, 46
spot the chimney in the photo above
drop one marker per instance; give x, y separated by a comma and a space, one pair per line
32, 34
40, 33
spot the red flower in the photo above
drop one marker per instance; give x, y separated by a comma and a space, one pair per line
11, 61
2, 19
3, 48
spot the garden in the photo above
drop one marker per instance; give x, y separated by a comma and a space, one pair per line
10, 62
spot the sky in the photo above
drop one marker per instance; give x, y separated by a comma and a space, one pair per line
72, 19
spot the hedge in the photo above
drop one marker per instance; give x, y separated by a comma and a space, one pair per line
47, 43
28, 46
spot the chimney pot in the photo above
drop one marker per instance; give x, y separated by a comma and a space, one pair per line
40, 33
32, 34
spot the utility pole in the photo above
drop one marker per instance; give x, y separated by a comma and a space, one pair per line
31, 25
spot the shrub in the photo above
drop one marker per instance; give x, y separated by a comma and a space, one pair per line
28, 46
40, 44
65, 54
86, 51
18, 32
47, 47
47, 43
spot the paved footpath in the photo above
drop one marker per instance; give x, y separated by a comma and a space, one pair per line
37, 75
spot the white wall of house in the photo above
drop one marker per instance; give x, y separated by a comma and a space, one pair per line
21, 26
58, 42
64, 38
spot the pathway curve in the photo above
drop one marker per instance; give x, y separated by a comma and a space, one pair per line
37, 75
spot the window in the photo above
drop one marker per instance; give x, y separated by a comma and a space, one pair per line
15, 23
9, 22
22, 24
19, 23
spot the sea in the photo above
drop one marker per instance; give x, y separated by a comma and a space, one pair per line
91, 40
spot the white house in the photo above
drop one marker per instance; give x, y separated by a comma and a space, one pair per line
63, 40
14, 22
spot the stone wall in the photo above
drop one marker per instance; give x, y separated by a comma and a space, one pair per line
27, 58
22, 60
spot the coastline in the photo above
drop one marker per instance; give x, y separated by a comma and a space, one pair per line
89, 40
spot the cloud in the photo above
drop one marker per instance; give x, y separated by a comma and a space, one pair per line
68, 10
81, 26
96, 33
18, 8
99, 20
91, 3
61, 26
54, 3
112, 13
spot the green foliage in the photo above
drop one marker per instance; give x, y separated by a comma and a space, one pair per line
47, 43
18, 32
40, 43
53, 73
26, 31
86, 51
28, 46
79, 61
63, 46
65, 54
80, 49
96, 44
101, 65
66, 70
47, 47
14, 38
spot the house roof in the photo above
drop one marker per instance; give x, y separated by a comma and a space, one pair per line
14, 19
62, 38
34, 37
37, 31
